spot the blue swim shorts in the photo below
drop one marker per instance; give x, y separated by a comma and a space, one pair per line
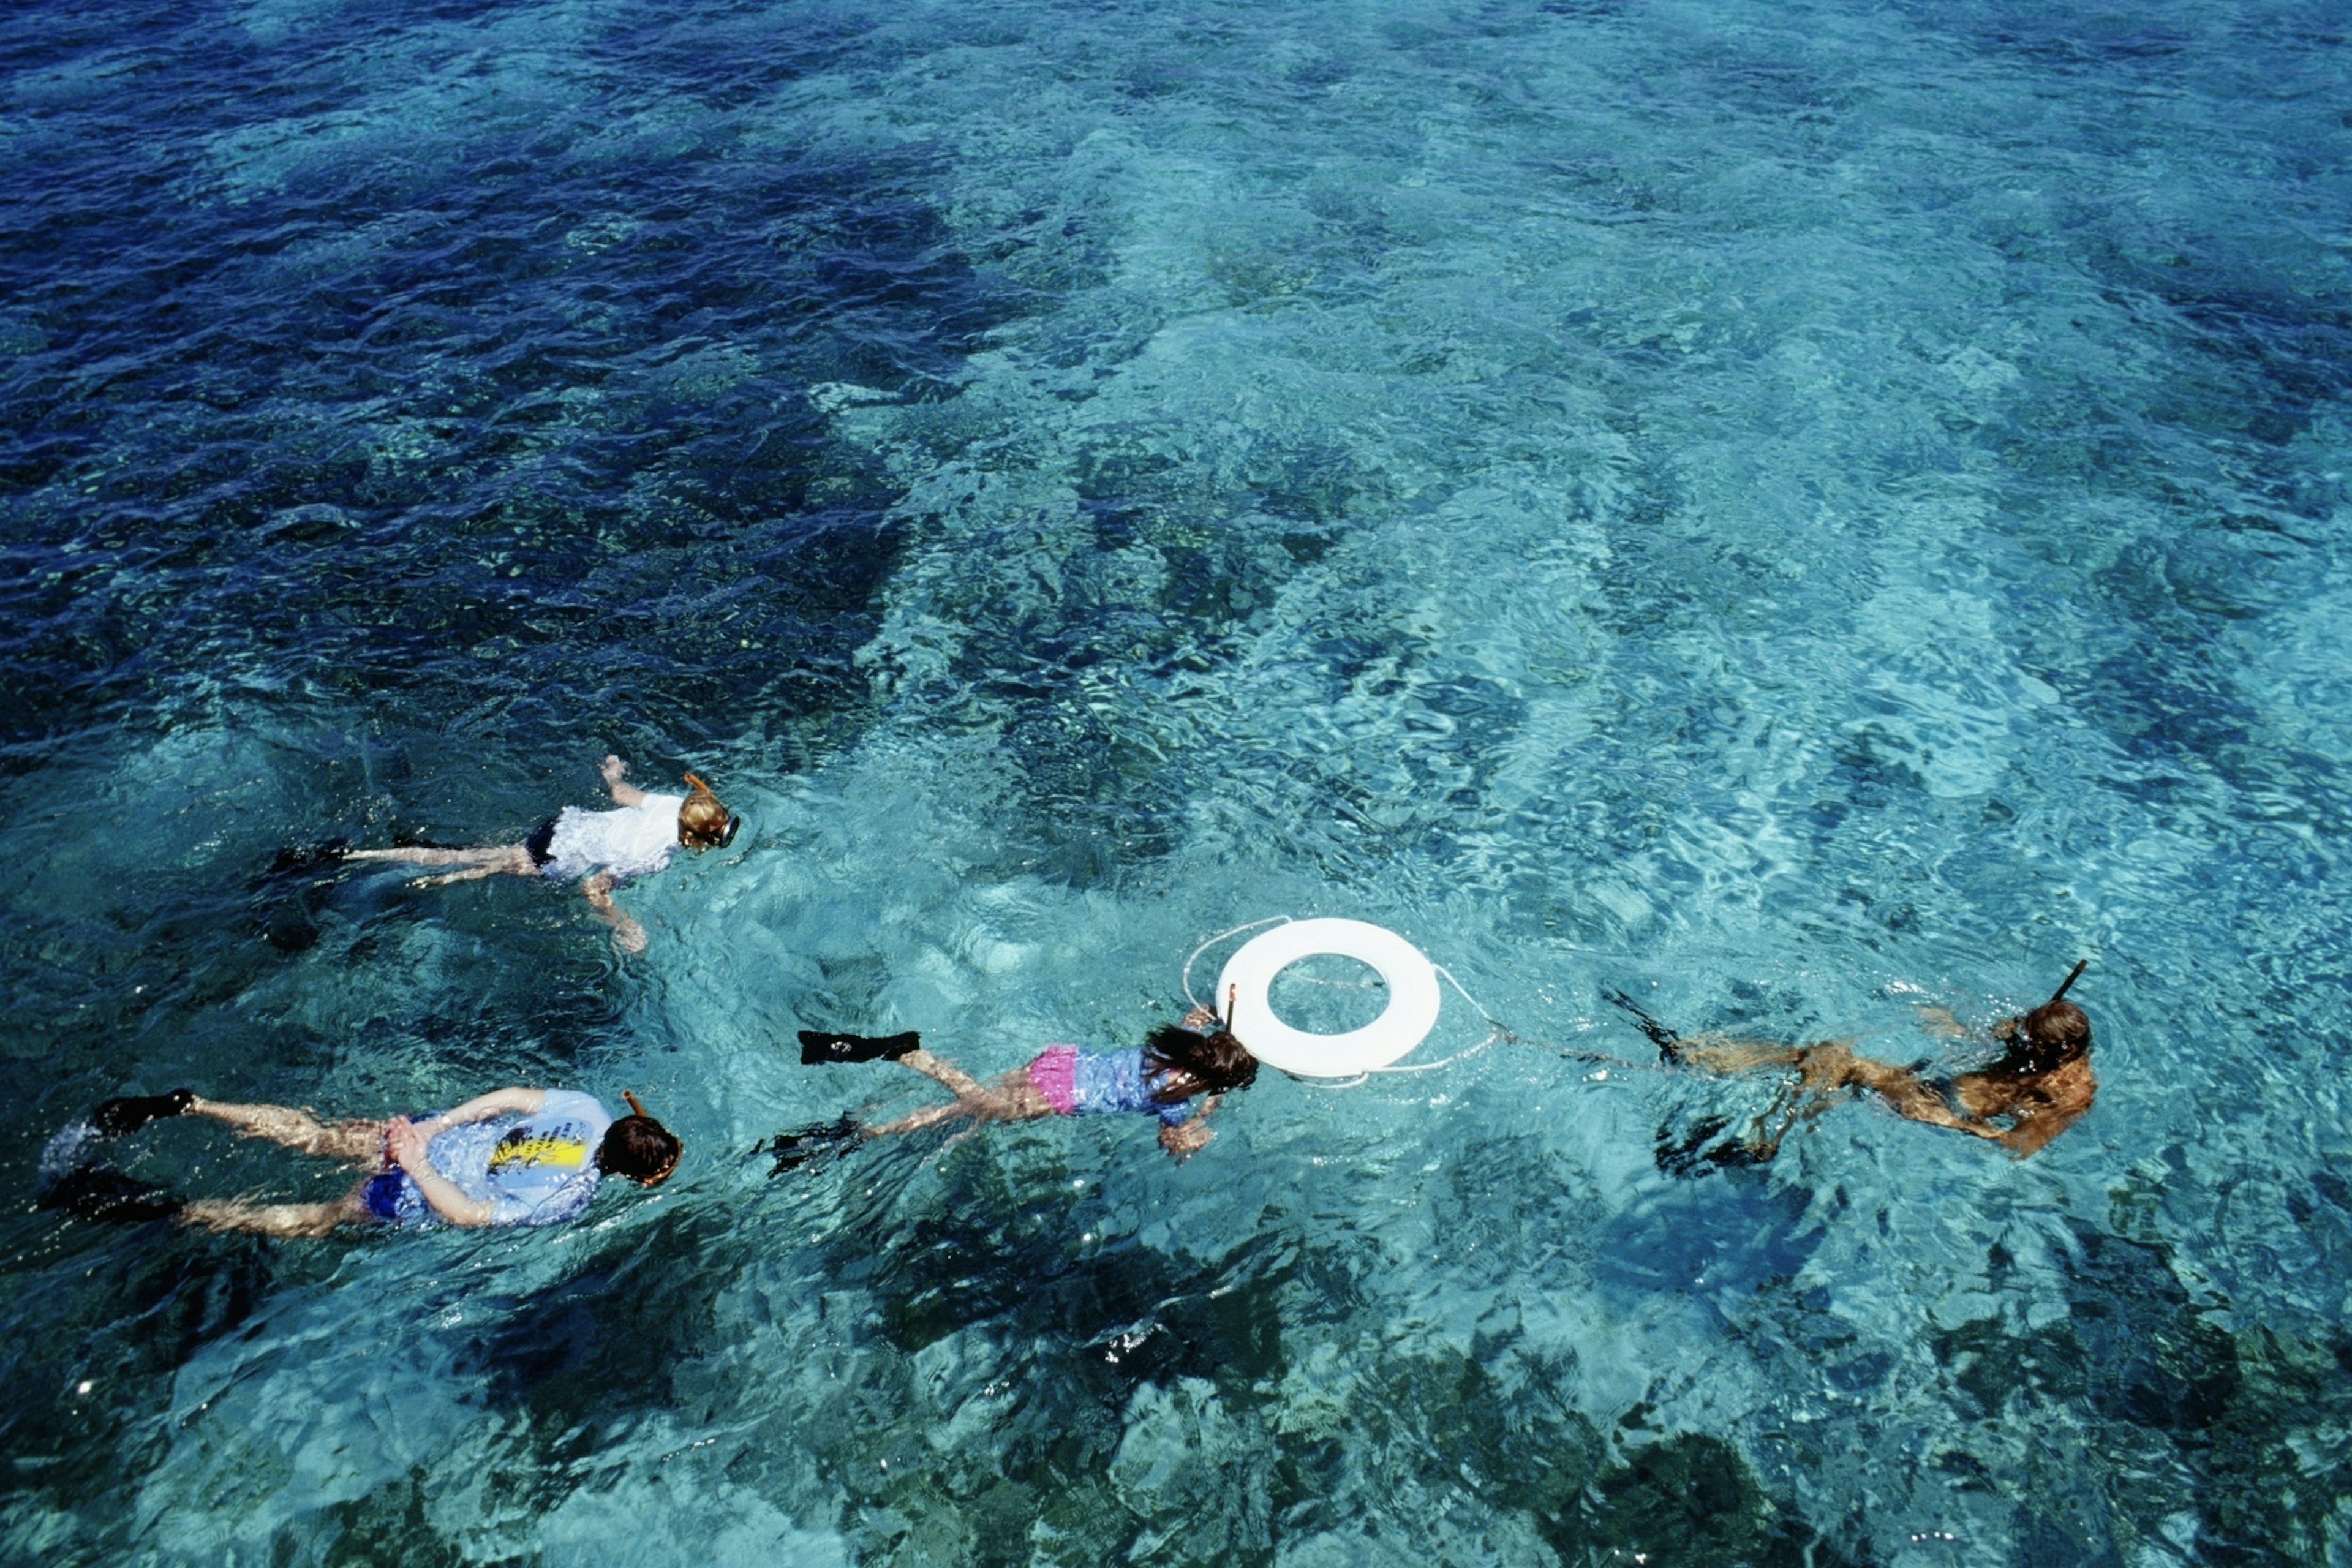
391, 1198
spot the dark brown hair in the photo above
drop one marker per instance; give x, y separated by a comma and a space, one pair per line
1197, 1063
639, 1148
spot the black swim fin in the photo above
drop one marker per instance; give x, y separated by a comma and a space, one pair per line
1669, 1044
103, 1192
306, 859
793, 1150
114, 1118
75, 1176
819, 1048
1679, 1154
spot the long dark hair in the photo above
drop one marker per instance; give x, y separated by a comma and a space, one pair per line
1190, 1064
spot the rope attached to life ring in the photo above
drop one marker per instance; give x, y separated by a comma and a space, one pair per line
1187, 979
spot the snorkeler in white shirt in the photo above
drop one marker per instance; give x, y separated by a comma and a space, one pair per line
599, 849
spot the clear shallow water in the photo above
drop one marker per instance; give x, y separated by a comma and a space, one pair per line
1791, 513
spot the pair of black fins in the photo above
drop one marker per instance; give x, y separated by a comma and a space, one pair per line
77, 1176
793, 1150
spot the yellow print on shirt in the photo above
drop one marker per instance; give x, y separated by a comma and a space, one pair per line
570, 1153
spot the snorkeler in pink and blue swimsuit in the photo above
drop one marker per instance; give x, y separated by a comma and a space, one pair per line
1095, 1083
1175, 1064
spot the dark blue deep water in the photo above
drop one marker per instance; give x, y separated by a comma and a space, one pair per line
1795, 511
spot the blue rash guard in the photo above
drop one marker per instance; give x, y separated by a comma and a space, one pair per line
1114, 1080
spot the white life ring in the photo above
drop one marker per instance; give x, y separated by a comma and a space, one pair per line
1413, 999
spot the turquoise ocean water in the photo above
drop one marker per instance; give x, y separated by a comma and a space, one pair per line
1794, 512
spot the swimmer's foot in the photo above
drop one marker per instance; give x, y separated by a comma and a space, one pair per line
818, 1049
793, 1150
1669, 1044
128, 1113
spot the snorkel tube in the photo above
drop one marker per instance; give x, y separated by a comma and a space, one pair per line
2072, 975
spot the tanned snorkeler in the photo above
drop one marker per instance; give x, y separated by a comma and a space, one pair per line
2039, 1086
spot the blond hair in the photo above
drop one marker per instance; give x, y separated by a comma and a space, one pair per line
701, 820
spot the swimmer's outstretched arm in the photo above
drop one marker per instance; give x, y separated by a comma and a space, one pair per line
615, 772
407, 1143
1190, 1137
2032, 1133
482, 1107
1907, 1095
627, 934
2055, 1102
1936, 1113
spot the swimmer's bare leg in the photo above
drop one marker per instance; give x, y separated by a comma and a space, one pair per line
359, 1141
1011, 1098
418, 854
275, 1219
511, 860
1719, 1053
426, 855
1823, 1072
930, 1116
958, 1081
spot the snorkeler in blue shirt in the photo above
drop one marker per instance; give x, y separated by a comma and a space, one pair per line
514, 1156
1160, 1079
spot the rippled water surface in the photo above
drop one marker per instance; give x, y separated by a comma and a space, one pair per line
1792, 511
